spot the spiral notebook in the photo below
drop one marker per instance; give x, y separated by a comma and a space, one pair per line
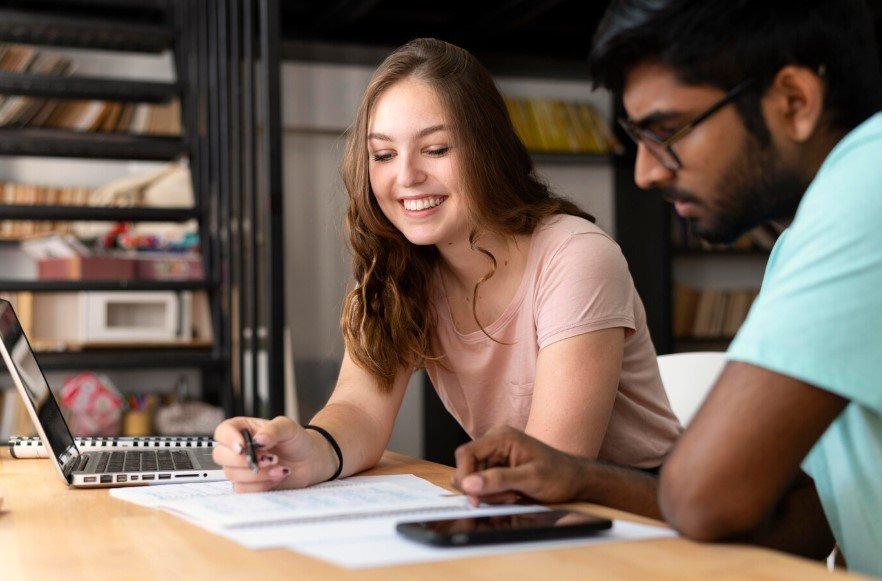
32, 446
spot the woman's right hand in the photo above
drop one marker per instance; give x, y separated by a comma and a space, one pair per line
288, 455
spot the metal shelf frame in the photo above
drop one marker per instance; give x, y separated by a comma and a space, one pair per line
93, 145
53, 86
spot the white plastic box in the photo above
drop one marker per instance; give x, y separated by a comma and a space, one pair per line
112, 317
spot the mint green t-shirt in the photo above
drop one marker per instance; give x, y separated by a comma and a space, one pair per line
818, 318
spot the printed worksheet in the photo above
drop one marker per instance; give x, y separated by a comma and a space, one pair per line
215, 505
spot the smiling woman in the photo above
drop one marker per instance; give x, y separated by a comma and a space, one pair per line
520, 308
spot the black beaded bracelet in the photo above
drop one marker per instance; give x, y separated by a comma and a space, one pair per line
333, 444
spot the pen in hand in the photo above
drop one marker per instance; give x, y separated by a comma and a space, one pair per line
250, 451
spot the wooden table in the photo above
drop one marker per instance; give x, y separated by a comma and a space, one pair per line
48, 531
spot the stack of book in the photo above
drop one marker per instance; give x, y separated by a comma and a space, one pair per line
106, 117
710, 313
20, 59
27, 194
168, 186
77, 115
550, 125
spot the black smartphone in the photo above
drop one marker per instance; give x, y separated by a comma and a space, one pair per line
532, 526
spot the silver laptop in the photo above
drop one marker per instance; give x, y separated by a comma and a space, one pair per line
90, 469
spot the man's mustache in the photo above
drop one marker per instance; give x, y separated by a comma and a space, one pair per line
672, 196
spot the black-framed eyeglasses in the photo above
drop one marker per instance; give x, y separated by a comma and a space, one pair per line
660, 147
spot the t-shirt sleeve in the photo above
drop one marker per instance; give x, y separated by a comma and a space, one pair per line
583, 286
818, 317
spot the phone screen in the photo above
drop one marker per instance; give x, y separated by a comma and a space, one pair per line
534, 526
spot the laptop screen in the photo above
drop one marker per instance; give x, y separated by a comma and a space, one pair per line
17, 352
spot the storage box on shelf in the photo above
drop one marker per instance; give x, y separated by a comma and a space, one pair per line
158, 268
102, 318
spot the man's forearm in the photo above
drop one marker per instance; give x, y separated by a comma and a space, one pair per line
619, 487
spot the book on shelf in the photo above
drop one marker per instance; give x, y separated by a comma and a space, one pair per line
21, 110
167, 186
14, 194
709, 313
111, 117
23, 304
553, 125
72, 114
16, 58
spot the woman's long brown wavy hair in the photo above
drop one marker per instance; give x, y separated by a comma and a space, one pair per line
388, 322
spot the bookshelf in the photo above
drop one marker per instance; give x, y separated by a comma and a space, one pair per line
714, 285
225, 61
123, 29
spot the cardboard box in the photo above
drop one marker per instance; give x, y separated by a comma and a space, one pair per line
86, 268
174, 267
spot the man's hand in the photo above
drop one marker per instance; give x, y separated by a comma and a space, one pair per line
506, 464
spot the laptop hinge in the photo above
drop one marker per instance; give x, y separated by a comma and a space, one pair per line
71, 461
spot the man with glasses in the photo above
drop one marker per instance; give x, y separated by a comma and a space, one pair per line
743, 112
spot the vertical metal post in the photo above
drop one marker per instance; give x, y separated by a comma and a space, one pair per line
249, 184
271, 169
220, 131
237, 299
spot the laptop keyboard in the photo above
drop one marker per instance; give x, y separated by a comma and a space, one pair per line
143, 461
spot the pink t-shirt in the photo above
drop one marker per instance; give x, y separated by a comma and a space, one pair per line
575, 281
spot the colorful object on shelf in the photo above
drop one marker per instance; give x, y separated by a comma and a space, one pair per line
93, 403
170, 266
109, 239
131, 241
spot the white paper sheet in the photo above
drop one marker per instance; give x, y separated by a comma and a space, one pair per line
350, 530
214, 505
155, 496
359, 540
383, 547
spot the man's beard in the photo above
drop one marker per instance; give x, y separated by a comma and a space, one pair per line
754, 190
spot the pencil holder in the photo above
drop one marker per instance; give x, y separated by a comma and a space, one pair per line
137, 423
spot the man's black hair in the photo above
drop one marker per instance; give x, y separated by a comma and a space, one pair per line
723, 42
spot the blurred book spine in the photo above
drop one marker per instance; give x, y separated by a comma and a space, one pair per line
710, 313
73, 114
556, 126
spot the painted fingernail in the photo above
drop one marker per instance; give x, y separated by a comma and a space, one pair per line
237, 448
280, 472
268, 459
